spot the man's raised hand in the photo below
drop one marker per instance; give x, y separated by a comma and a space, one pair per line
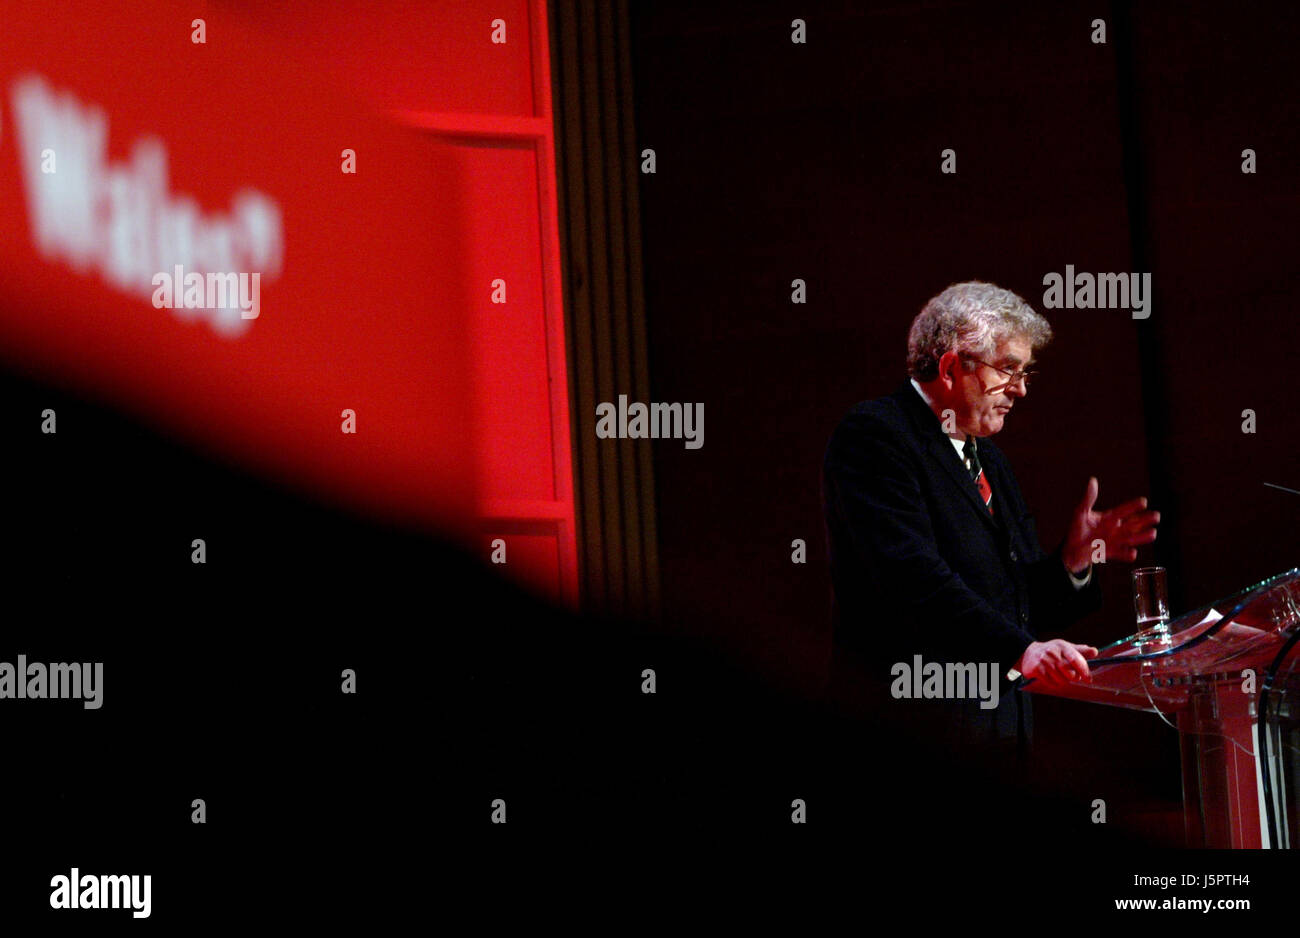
1121, 530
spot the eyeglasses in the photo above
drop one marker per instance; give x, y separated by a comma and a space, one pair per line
1012, 376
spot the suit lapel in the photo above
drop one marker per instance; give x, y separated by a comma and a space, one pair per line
937, 446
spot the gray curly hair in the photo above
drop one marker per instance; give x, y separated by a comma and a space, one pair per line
974, 318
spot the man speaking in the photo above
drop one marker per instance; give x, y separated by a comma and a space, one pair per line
934, 555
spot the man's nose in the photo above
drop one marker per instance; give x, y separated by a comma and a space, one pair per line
1018, 388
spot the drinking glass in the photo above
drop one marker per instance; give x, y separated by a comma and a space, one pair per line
1151, 603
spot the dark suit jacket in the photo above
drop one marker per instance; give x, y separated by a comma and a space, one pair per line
918, 566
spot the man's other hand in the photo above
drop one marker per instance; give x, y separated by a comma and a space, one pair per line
1121, 530
1057, 662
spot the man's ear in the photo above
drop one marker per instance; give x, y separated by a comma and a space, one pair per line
949, 367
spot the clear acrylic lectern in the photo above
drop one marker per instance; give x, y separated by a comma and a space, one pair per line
1229, 678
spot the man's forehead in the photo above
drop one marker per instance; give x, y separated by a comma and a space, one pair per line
1017, 350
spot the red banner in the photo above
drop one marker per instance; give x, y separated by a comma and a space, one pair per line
179, 234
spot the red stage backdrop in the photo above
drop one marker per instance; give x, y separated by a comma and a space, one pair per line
416, 300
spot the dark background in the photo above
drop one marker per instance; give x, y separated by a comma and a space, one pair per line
822, 162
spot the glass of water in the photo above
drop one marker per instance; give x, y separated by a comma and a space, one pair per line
1151, 603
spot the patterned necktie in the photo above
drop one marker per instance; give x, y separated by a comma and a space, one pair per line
977, 473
